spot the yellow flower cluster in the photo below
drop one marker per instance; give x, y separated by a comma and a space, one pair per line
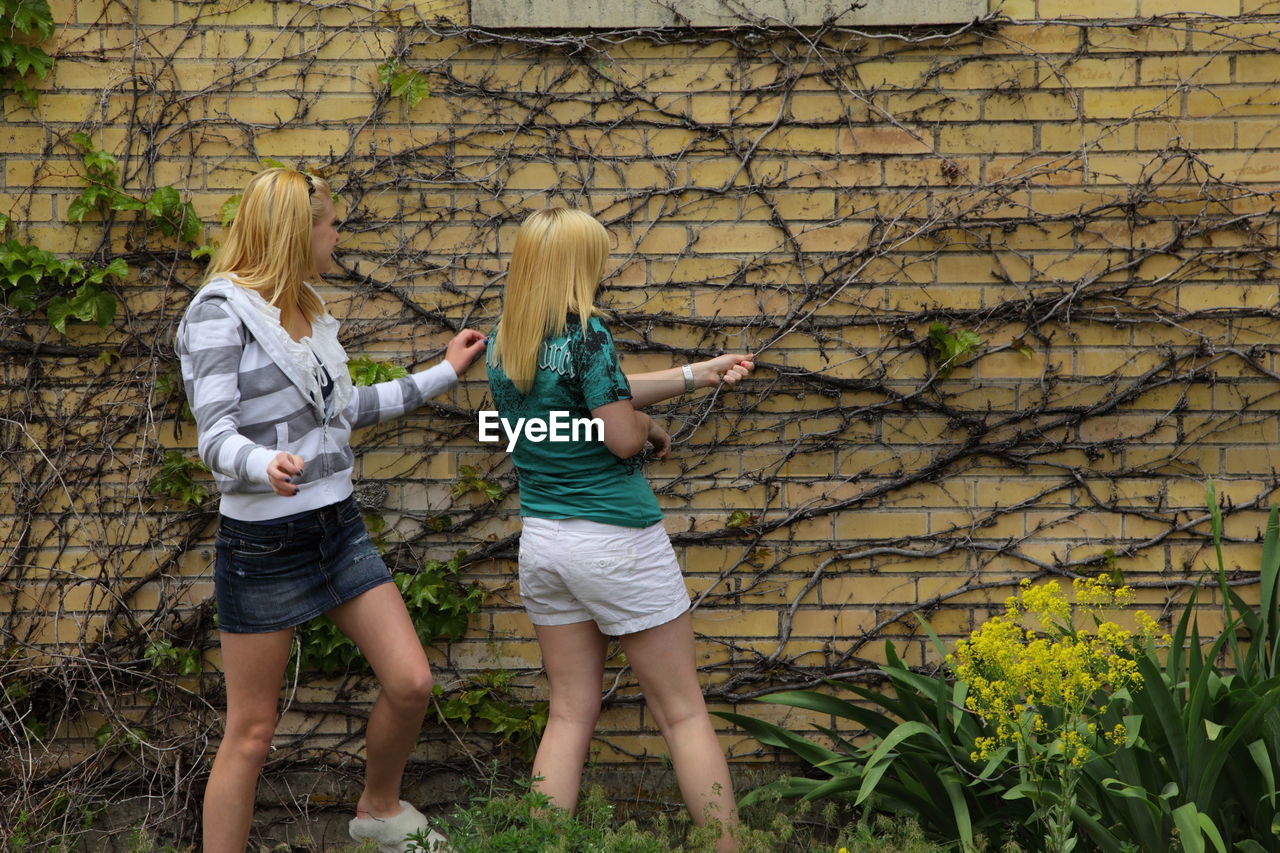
1014, 671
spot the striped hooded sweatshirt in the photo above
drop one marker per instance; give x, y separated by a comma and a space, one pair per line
256, 392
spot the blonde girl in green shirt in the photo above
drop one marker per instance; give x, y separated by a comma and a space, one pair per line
595, 561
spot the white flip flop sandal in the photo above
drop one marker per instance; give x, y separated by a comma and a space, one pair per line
391, 833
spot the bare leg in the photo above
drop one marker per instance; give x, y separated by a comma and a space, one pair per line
663, 661
574, 658
253, 666
379, 624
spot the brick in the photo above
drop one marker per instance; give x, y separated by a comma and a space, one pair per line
884, 140
1037, 38
1153, 39
985, 138
1237, 100
716, 239
788, 141
881, 525
1197, 135
1030, 106
1185, 70
735, 623
820, 107
833, 173
934, 171
835, 238
892, 72
1129, 103
1214, 8
1094, 9
932, 107
835, 624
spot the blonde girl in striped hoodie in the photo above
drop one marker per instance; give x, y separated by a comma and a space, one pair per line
274, 405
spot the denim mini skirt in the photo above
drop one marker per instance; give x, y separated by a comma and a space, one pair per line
282, 572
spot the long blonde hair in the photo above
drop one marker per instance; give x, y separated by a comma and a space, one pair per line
269, 247
556, 266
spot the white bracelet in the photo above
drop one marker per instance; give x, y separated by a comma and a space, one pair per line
687, 370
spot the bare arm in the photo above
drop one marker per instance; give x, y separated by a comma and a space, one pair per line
626, 431
658, 385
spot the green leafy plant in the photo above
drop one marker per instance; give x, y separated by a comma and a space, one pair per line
1196, 769
169, 384
31, 278
1044, 682
469, 480
439, 603
16, 703
403, 82
922, 760
740, 518
54, 824
109, 737
226, 215
365, 371
1204, 770
166, 657
164, 207
23, 24
176, 479
489, 698
377, 526
949, 347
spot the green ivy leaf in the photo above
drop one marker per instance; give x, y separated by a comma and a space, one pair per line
100, 162
104, 309
58, 311
230, 207
949, 346
164, 203
191, 224
78, 208
409, 85
30, 96
26, 58
412, 87
33, 16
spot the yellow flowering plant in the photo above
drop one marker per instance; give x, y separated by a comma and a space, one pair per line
1172, 745
1043, 683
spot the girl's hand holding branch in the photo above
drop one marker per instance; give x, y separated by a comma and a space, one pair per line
464, 349
727, 368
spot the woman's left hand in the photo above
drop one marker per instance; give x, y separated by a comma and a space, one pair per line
660, 440
727, 368
464, 349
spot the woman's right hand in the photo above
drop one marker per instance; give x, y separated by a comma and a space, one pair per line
280, 472
464, 349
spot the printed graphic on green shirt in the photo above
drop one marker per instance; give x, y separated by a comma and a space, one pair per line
577, 372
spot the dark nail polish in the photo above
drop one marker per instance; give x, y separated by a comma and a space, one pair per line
288, 479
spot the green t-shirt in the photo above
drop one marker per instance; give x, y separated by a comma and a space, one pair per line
576, 478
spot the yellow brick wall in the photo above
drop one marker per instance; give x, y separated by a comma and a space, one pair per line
1086, 186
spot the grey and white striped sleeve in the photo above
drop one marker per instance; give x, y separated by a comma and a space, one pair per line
210, 342
372, 404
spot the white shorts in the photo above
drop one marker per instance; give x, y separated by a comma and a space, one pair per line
625, 579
